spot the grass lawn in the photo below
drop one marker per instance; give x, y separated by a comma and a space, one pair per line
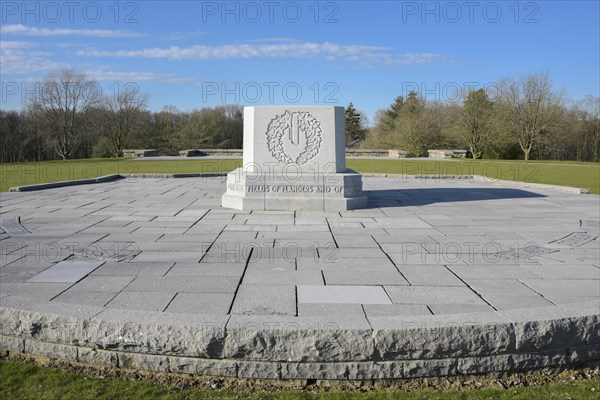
19, 380
586, 175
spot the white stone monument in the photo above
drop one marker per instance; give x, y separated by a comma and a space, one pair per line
294, 159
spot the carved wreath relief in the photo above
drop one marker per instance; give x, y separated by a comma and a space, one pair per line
289, 127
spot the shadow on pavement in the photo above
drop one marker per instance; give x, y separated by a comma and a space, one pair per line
421, 197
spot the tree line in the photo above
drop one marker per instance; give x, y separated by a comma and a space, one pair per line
520, 118
69, 117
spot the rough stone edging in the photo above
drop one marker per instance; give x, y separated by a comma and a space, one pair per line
359, 370
474, 178
564, 337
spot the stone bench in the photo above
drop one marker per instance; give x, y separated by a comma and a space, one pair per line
397, 153
447, 153
141, 153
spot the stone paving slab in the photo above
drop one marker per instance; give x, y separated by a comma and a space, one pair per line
179, 246
34, 291
188, 237
330, 262
88, 298
560, 271
380, 323
167, 258
552, 287
19, 273
133, 268
99, 283
438, 309
204, 284
432, 295
147, 301
355, 278
283, 277
389, 310
201, 303
66, 271
273, 264
493, 272
265, 300
332, 310
342, 294
503, 302
429, 275
207, 269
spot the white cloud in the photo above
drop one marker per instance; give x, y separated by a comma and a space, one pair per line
360, 54
402, 59
275, 40
203, 52
185, 35
16, 58
109, 75
22, 58
19, 29
14, 45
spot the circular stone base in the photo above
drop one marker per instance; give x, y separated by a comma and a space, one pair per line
433, 278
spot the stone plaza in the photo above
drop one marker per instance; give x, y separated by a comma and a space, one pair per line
433, 277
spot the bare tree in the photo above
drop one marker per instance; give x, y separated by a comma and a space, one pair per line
416, 128
11, 136
411, 124
476, 121
61, 102
204, 128
122, 112
589, 117
529, 108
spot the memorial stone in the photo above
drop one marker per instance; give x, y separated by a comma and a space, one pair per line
294, 159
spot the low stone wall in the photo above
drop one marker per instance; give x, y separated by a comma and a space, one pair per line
239, 153
375, 153
141, 153
278, 347
447, 153
211, 152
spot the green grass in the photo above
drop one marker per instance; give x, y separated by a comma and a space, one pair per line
19, 380
18, 174
585, 175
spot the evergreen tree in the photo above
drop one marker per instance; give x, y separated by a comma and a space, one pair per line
355, 129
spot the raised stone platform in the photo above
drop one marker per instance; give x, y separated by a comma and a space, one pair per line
434, 278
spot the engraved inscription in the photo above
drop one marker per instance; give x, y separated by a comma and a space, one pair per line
285, 188
294, 128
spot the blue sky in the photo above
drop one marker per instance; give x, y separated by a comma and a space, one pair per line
196, 54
